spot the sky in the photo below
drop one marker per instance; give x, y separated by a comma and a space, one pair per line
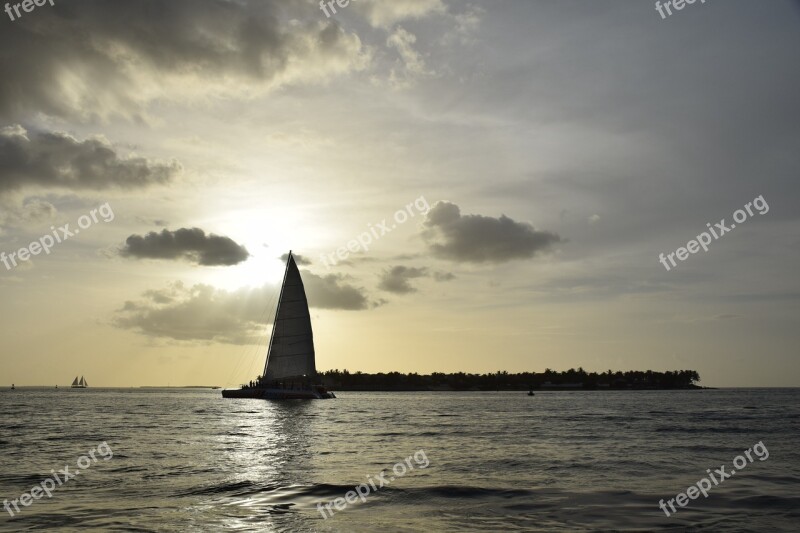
467, 185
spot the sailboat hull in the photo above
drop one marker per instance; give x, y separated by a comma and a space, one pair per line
278, 394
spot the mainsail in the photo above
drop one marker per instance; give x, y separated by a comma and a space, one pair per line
291, 349
75, 383
83, 382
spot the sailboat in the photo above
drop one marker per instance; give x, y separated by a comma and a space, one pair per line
290, 369
82, 384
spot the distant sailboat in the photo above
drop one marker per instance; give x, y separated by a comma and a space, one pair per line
290, 369
82, 384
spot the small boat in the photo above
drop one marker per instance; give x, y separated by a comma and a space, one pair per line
530, 393
82, 384
12, 386
290, 370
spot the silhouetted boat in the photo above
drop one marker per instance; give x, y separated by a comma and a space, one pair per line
290, 369
82, 384
530, 393
12, 386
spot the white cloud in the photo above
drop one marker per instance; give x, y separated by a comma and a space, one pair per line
385, 13
411, 65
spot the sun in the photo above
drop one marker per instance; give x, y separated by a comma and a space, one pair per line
267, 234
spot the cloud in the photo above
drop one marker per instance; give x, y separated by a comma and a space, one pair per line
299, 259
480, 239
411, 66
35, 210
185, 244
31, 210
199, 313
397, 278
58, 160
443, 276
383, 14
467, 24
160, 222
206, 314
94, 59
332, 292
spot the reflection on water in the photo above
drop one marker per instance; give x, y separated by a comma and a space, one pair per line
187, 459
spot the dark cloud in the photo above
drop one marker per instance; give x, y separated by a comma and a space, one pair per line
332, 292
59, 160
479, 239
397, 278
161, 223
185, 244
299, 259
406, 257
356, 259
203, 313
443, 276
91, 59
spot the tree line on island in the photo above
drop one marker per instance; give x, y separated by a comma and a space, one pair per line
548, 380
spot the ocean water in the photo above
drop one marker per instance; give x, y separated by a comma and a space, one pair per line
187, 460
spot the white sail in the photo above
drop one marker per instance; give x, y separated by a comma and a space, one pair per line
75, 383
291, 349
83, 382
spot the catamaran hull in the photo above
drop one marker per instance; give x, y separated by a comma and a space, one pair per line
277, 394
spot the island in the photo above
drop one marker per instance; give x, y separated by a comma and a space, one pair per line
503, 381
